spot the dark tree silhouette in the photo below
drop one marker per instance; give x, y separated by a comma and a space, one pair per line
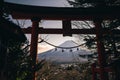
15, 59
111, 41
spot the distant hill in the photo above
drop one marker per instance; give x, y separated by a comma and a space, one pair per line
65, 56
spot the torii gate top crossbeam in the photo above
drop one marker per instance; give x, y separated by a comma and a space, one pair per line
19, 11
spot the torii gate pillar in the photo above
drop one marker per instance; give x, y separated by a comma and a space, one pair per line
100, 49
34, 42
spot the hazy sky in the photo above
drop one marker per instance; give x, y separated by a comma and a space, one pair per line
54, 39
56, 3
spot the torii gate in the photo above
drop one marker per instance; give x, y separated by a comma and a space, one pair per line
37, 13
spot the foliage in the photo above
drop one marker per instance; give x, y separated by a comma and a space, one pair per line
15, 58
18, 64
93, 3
17, 61
68, 72
110, 40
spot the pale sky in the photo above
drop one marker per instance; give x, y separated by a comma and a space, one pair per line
54, 39
56, 3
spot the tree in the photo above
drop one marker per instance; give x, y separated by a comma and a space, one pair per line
111, 41
94, 3
56, 72
15, 59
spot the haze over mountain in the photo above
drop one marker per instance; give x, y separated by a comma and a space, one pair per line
58, 55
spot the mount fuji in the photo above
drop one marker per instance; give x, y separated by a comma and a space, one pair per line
58, 55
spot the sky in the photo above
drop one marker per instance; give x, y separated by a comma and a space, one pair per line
54, 39
56, 3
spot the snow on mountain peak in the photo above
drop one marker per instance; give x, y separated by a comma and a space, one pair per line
66, 56
68, 43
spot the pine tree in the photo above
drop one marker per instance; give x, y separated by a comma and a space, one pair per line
111, 41
15, 59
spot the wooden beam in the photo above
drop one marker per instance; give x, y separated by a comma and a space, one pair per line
60, 31
34, 44
20, 11
100, 49
66, 27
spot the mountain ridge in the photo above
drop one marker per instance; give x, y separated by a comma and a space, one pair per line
64, 55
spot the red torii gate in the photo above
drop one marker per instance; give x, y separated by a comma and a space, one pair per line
37, 13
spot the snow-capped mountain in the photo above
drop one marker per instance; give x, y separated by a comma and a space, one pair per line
58, 55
